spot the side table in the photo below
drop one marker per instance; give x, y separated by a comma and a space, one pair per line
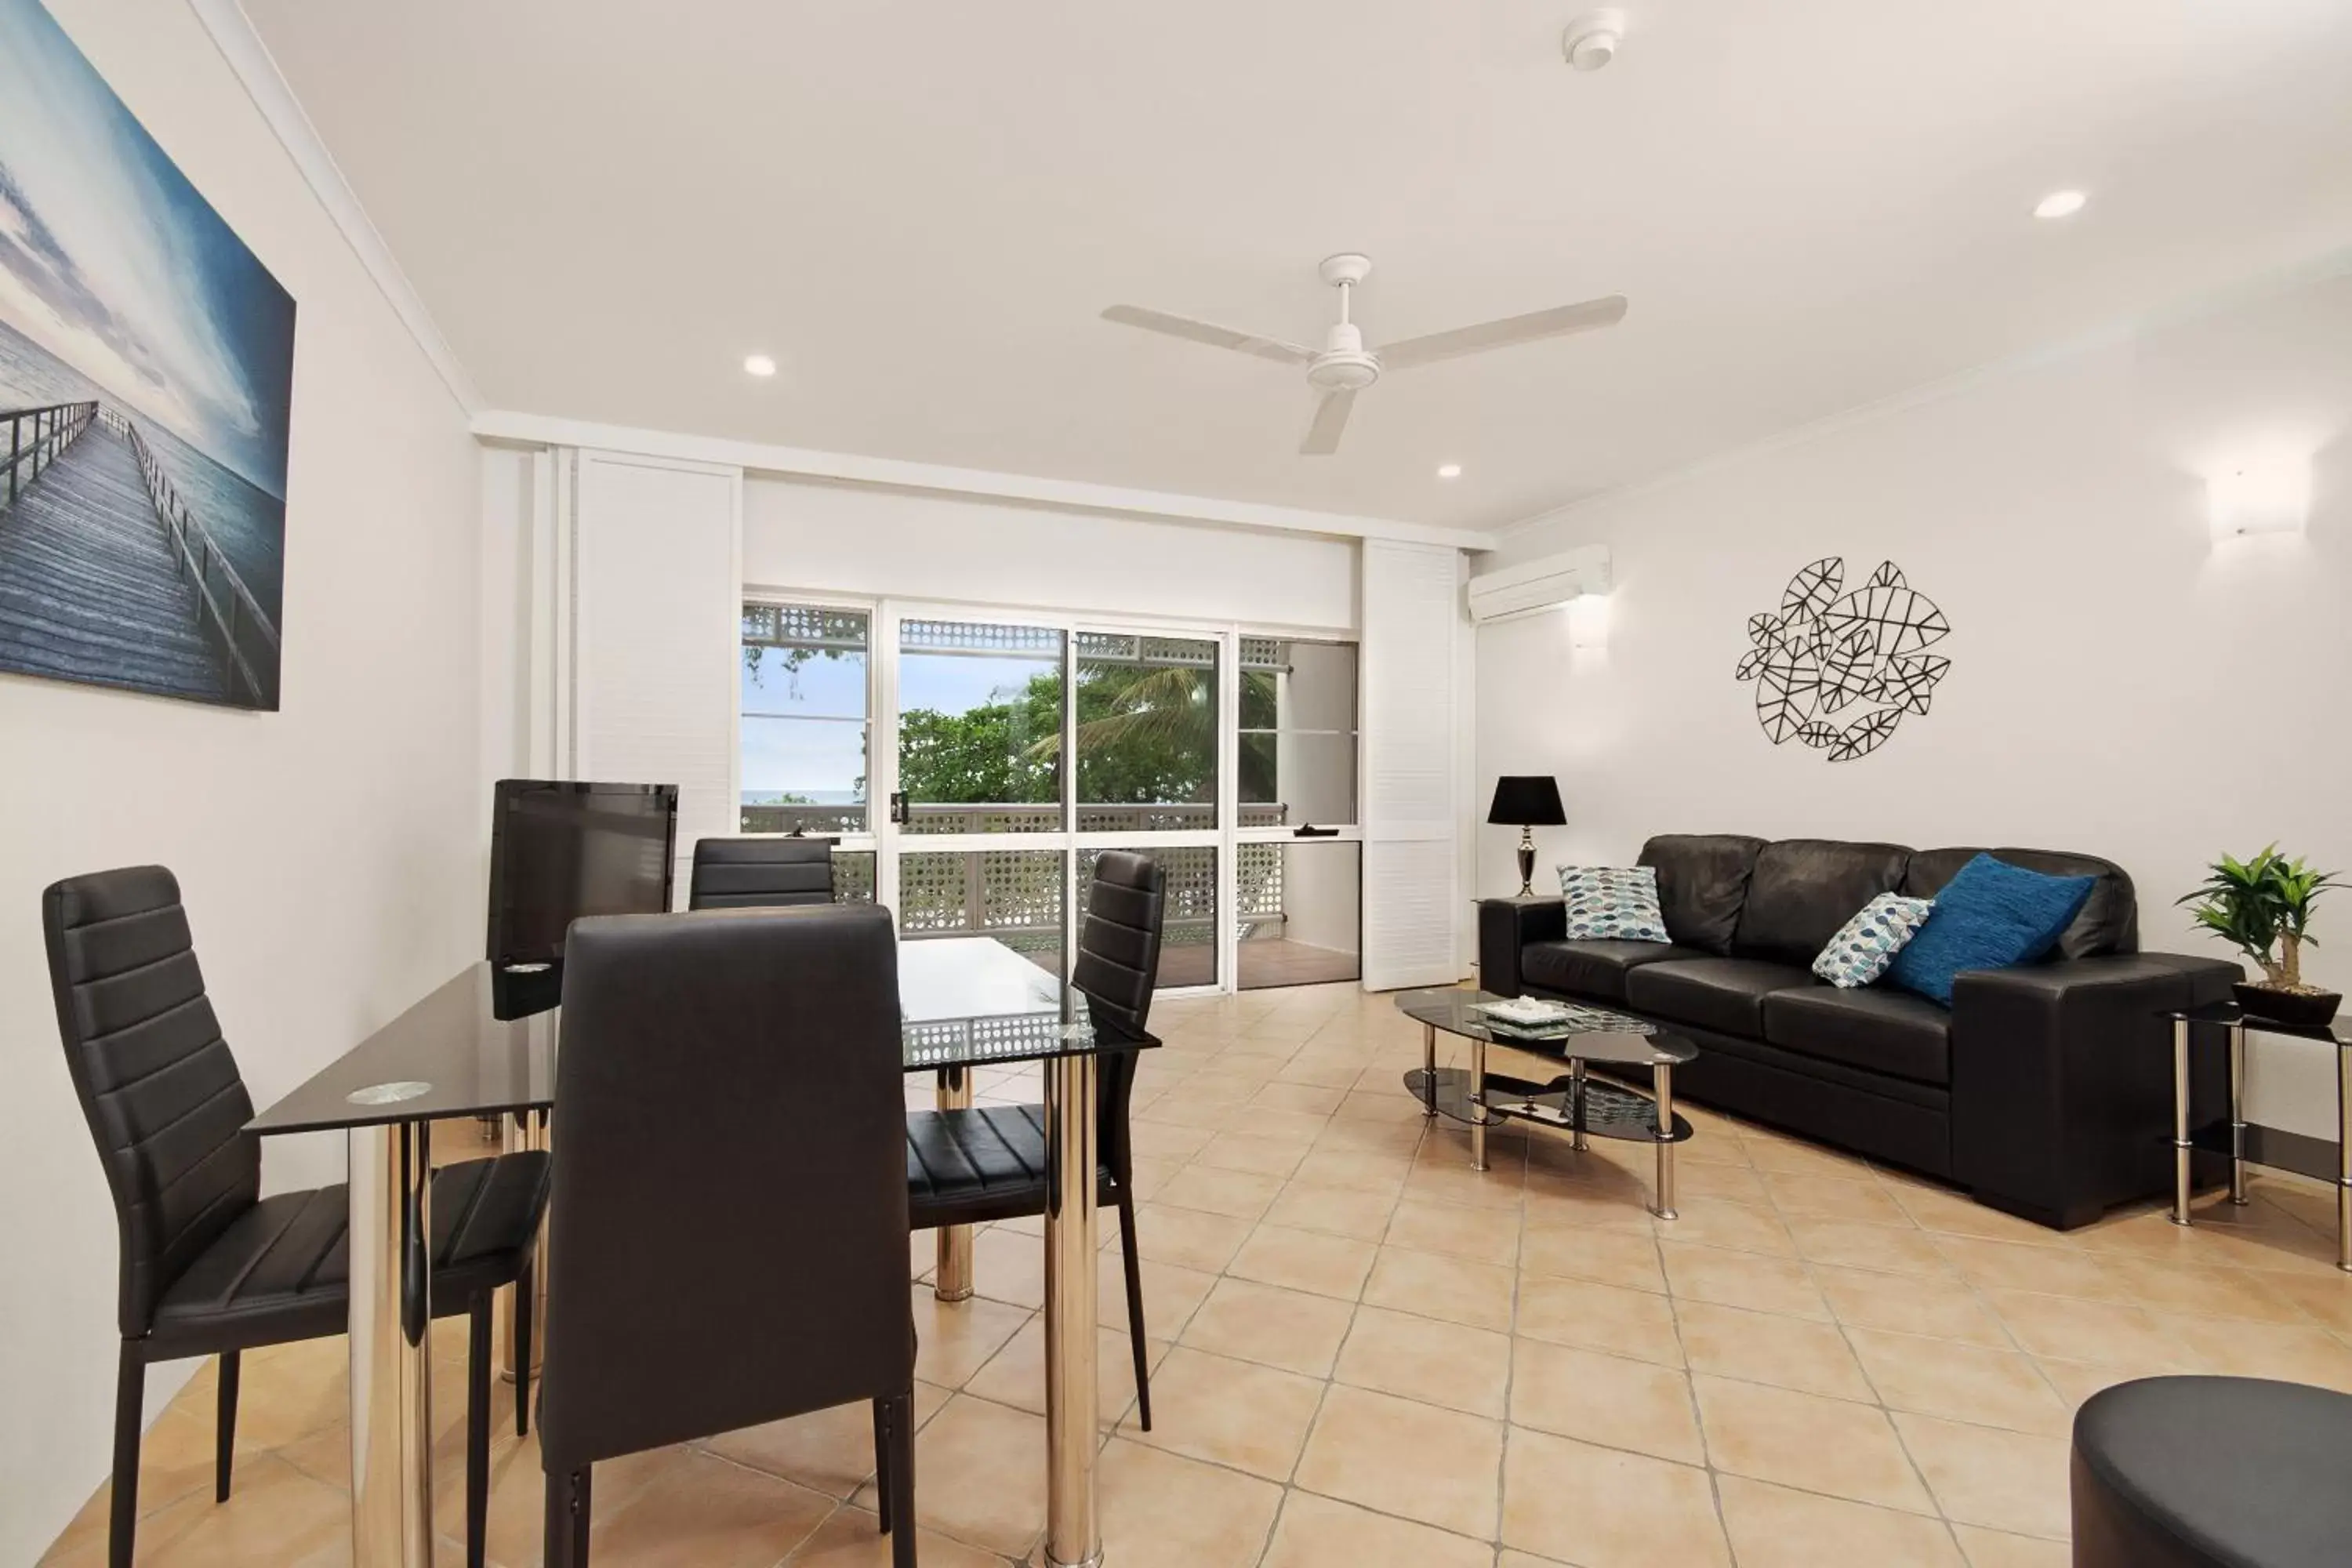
2237, 1137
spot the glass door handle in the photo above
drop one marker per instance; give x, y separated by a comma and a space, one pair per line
898, 812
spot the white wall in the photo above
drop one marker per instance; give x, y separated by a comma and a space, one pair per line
328, 852
866, 541
2121, 683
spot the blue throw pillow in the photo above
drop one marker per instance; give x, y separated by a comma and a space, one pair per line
1991, 915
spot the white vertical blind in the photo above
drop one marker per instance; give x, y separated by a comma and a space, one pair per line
656, 612
1411, 609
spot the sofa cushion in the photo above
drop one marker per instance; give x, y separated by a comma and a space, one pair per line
1591, 968
1803, 889
1702, 882
1610, 903
1723, 993
1993, 915
1879, 1030
2107, 923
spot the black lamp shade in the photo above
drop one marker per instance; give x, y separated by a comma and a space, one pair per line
1528, 800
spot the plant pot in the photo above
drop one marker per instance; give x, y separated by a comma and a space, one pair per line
2299, 1009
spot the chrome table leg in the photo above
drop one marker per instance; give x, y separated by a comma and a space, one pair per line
527, 1130
2238, 1115
1576, 1103
1429, 1069
391, 1354
1477, 1103
2343, 1157
1073, 1534
1662, 1084
953, 1280
2180, 1146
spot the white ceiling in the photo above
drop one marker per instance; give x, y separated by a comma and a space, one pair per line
919, 208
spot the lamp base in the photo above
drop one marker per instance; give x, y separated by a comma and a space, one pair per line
1526, 862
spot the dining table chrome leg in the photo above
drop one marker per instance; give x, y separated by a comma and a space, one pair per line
1429, 1069
2237, 1193
2182, 1148
525, 1131
1477, 1103
2343, 1157
952, 1282
1576, 1104
1073, 1532
1662, 1085
391, 1350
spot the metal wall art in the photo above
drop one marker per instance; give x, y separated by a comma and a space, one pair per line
1838, 671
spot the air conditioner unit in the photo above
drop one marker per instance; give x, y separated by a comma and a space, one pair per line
1537, 585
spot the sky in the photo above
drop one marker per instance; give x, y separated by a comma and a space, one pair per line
112, 261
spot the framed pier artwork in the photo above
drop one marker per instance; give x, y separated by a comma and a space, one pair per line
146, 378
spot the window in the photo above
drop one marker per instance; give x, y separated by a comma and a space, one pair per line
805, 719
1297, 732
1146, 731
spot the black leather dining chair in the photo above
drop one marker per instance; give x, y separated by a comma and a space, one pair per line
209, 1267
760, 873
729, 1239
969, 1167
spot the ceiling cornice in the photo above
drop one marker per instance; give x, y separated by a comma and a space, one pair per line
842, 468
249, 59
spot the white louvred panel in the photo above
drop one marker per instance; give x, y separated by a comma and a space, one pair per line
656, 614
1411, 609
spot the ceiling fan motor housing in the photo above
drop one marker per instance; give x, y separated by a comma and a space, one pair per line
1343, 366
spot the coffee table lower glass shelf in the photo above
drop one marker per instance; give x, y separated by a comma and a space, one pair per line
1576, 1102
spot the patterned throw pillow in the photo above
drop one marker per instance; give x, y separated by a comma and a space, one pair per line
1867, 944
1612, 903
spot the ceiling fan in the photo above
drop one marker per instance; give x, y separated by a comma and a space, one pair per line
1344, 367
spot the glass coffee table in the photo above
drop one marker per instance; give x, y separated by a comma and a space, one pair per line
1575, 1103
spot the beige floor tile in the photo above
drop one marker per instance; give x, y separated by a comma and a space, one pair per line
1765, 1347
1189, 1238
1746, 1280
1603, 1257
2203, 1290
2297, 1354
1942, 1309
1961, 1382
2327, 1300
979, 1474
1230, 1412
1897, 1249
1806, 1441
1834, 1197
1171, 1293
1578, 1206
1948, 1212
1240, 1195
1305, 1260
2076, 1329
1356, 1172
700, 1512
2003, 1480
1774, 1527
1454, 1289
1698, 1178
954, 1340
1600, 1317
1015, 1375
1440, 1467
1439, 1177
830, 1452
1604, 1399
1010, 1266
277, 1515
1289, 1329
1481, 1235
1422, 1358
1275, 1157
1308, 1097
1720, 1222
1162, 1510
853, 1538
1316, 1533
1602, 1508
2016, 1265
1161, 1141
1337, 1211
1996, 1549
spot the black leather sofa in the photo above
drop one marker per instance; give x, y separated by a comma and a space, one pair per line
2045, 1090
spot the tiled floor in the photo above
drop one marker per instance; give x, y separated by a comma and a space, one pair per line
1367, 1356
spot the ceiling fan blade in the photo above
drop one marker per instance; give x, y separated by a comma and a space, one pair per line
1330, 423
1209, 332
1551, 324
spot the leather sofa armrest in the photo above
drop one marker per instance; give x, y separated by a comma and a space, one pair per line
1506, 925
2062, 1079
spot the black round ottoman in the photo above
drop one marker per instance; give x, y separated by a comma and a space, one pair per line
2213, 1472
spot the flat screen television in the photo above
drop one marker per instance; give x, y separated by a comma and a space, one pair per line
559, 850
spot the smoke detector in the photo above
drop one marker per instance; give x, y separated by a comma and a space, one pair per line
1592, 41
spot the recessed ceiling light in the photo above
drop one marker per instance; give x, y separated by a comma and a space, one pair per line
1449, 471
2060, 204
759, 364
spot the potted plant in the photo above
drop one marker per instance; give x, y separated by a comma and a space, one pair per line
2261, 907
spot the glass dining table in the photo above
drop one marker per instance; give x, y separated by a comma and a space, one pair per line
485, 1044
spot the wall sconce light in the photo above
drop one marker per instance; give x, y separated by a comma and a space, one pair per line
2260, 498
1588, 621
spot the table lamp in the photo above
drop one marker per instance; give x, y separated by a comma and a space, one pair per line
1532, 800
